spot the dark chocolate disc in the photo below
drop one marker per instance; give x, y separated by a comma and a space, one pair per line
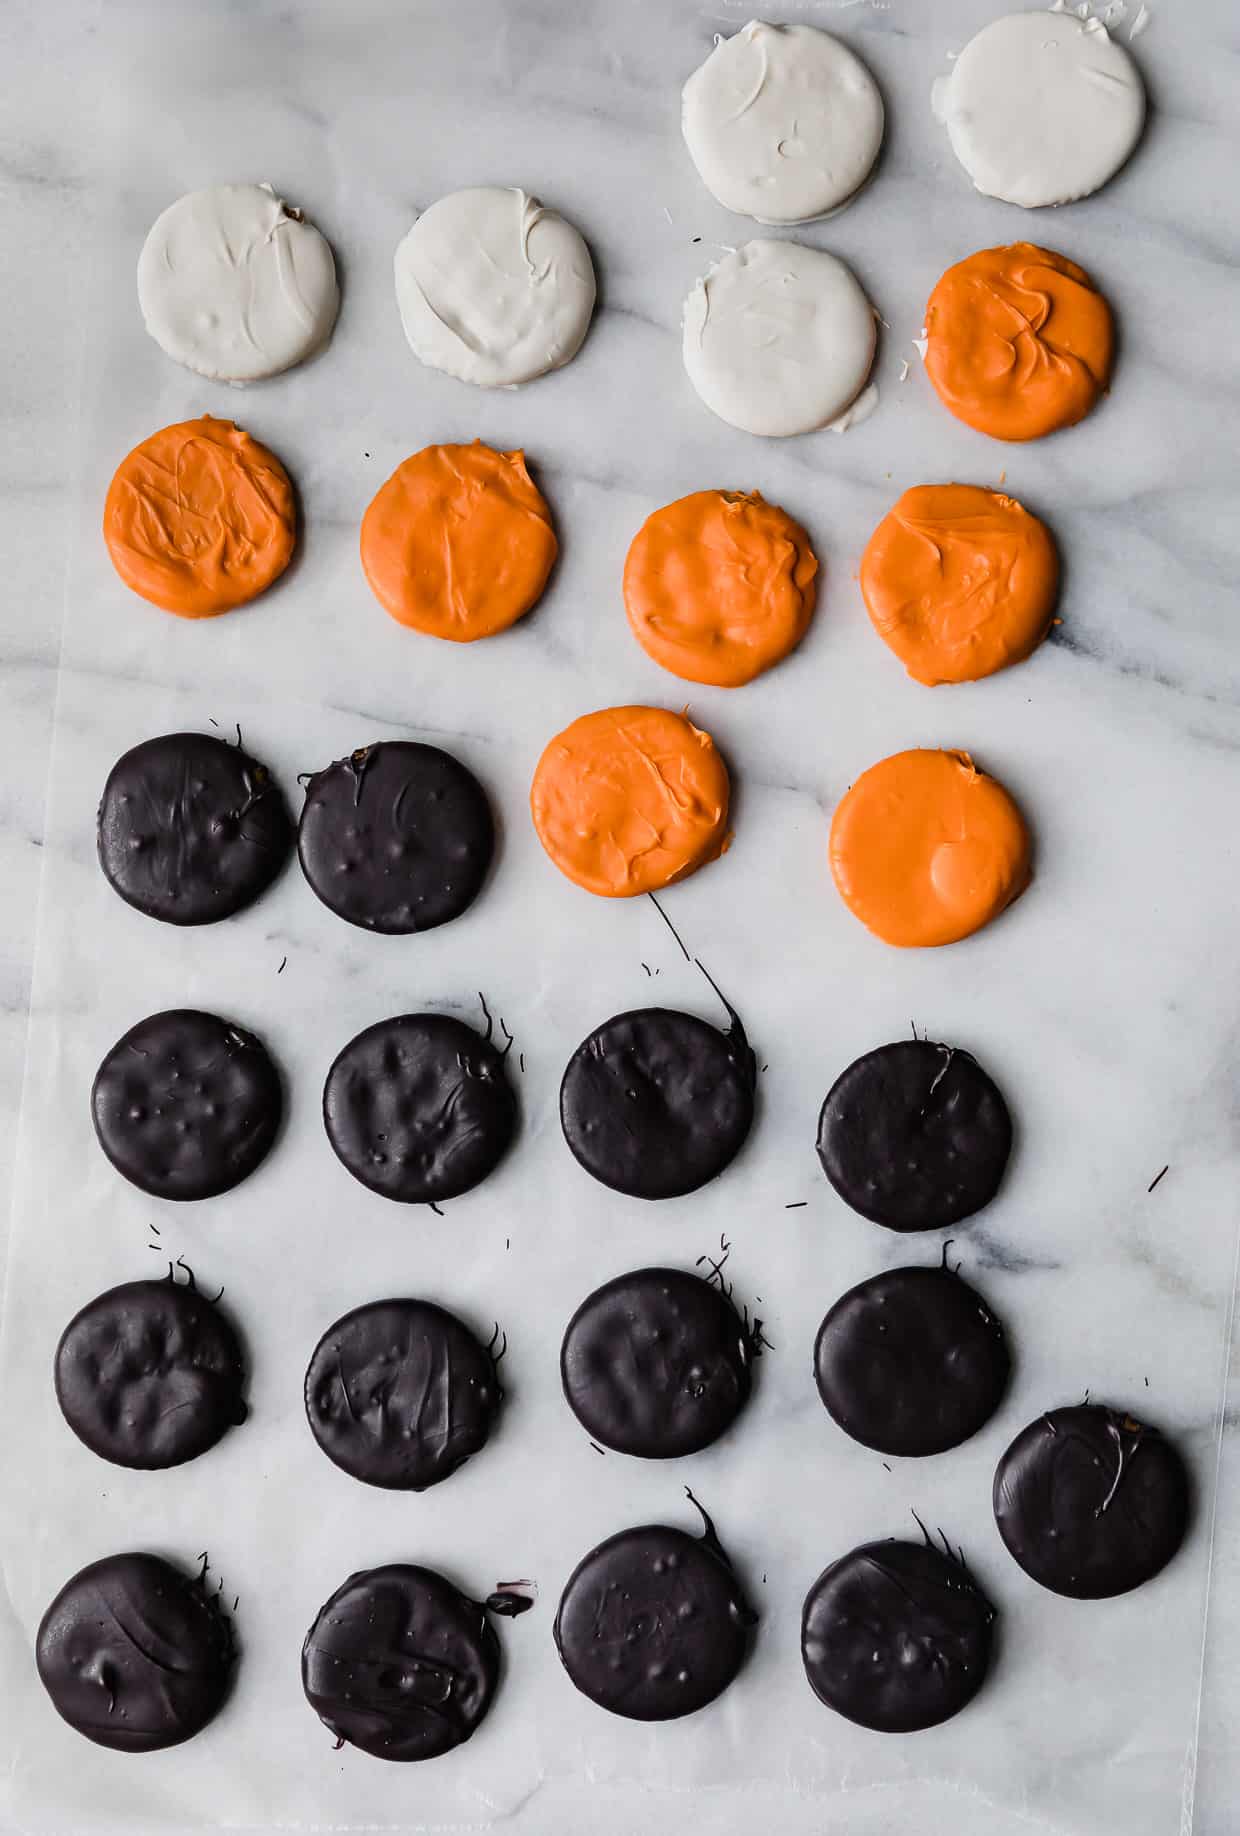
419, 1108
135, 1654
915, 1135
400, 1664
655, 1103
656, 1363
191, 829
186, 1105
397, 837
911, 1361
150, 1374
1091, 1502
399, 1394
896, 1636
653, 1624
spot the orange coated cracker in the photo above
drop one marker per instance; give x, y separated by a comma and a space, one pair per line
926, 849
459, 542
627, 800
959, 581
200, 518
720, 586
1019, 341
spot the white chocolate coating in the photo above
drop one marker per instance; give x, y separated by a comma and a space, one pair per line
779, 338
493, 288
1041, 108
234, 285
783, 122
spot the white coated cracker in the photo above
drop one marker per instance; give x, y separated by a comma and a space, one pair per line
1041, 108
493, 288
779, 338
783, 122
235, 285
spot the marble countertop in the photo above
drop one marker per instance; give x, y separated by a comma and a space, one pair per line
1104, 1001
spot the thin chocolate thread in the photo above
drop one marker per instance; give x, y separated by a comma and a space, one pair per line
671, 927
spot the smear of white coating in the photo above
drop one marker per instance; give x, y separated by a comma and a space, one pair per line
856, 412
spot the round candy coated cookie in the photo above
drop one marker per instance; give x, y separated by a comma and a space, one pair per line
896, 1636
1018, 342
1090, 1501
911, 1362
656, 1363
191, 829
459, 542
135, 1654
396, 838
655, 1102
186, 1105
628, 800
400, 1393
915, 1135
959, 582
150, 1374
419, 1108
926, 849
783, 122
493, 288
779, 338
653, 1624
235, 284
200, 518
400, 1664
719, 586
1042, 108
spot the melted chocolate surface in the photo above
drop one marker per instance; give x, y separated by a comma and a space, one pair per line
419, 1108
396, 838
150, 1374
191, 829
896, 1636
135, 1654
656, 1363
911, 1361
1090, 1501
400, 1393
655, 1103
915, 1135
653, 1624
186, 1105
400, 1664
